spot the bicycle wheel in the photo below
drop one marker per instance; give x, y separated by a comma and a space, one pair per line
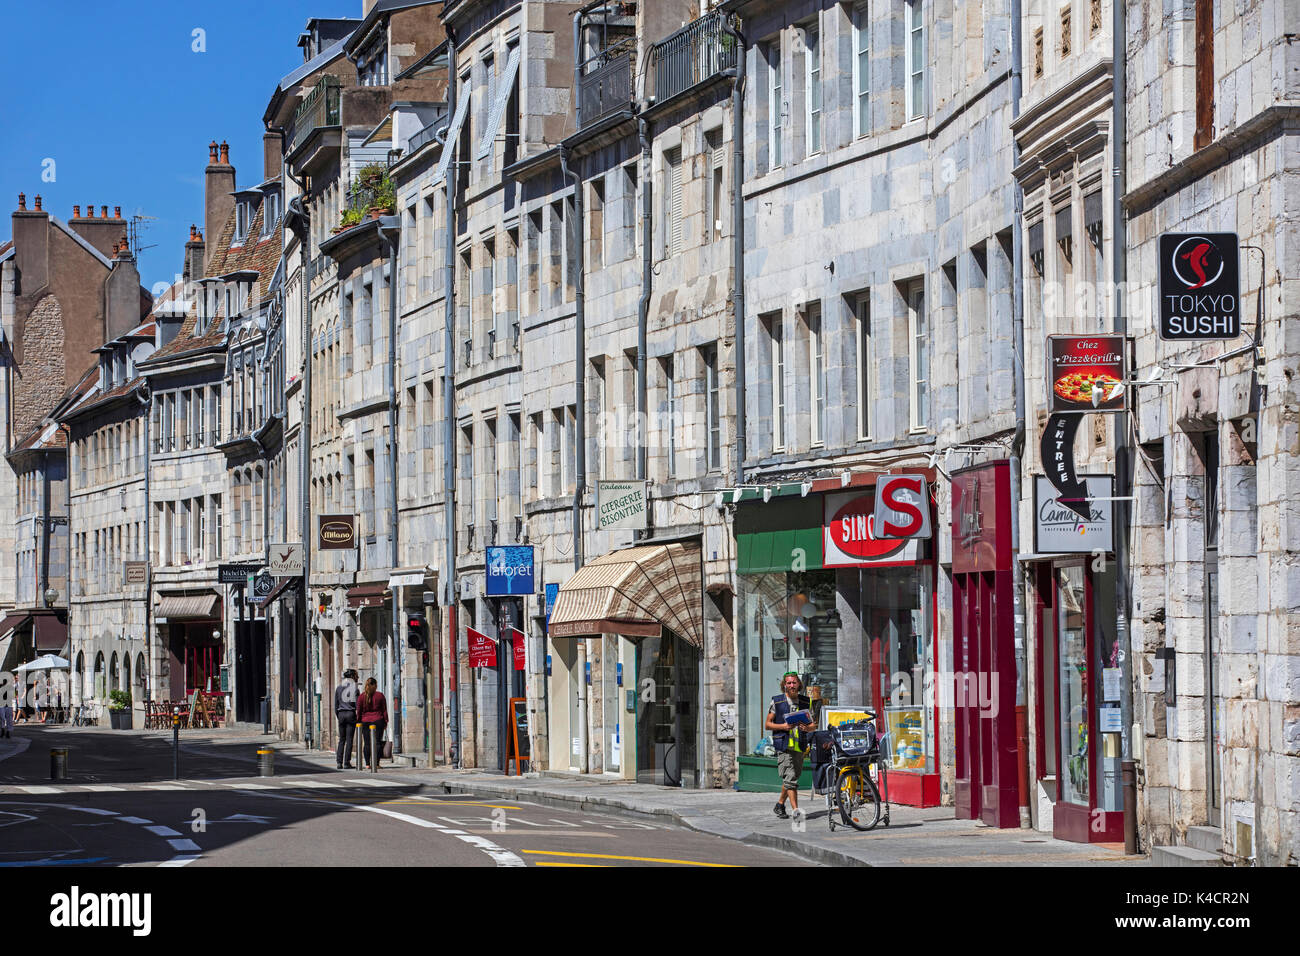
858, 799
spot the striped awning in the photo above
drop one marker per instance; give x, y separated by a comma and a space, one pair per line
189, 607
635, 592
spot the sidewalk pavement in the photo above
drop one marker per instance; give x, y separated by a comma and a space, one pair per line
915, 837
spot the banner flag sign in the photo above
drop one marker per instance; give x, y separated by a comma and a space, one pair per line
1086, 373
902, 507
1058, 529
1057, 452
236, 573
850, 535
1199, 285
286, 560
552, 594
517, 639
510, 571
482, 649
621, 504
336, 532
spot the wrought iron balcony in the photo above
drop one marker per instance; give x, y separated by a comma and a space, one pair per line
697, 52
605, 86
318, 110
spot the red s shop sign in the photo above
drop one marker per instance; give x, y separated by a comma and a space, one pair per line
853, 534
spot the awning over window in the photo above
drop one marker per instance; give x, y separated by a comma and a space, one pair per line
11, 623
49, 633
635, 592
367, 595
278, 591
189, 607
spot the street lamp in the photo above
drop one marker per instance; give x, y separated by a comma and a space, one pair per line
51, 596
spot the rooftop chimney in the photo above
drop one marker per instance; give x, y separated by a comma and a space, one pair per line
38, 202
90, 211
103, 212
218, 203
100, 231
272, 145
76, 212
193, 266
22, 202
117, 212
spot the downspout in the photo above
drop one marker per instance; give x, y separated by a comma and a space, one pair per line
395, 662
580, 439
303, 232
266, 534
449, 419
145, 397
1018, 441
738, 236
1123, 467
643, 306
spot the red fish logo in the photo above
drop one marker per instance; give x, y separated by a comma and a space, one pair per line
1203, 262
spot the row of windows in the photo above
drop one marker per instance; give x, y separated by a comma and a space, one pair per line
188, 531
98, 556
185, 419
110, 453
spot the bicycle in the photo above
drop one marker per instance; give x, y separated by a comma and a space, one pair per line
856, 759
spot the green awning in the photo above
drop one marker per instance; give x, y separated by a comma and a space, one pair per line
774, 537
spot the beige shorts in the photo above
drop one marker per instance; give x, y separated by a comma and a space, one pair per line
790, 766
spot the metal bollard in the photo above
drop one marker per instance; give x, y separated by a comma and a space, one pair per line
266, 762
374, 748
59, 763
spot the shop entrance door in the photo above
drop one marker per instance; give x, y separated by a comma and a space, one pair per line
250, 677
668, 685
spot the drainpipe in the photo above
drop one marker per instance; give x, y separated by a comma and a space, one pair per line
1018, 442
145, 397
580, 358
1123, 467
580, 450
303, 232
643, 306
391, 233
738, 236
449, 419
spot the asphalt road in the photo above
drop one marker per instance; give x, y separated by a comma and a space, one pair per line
119, 806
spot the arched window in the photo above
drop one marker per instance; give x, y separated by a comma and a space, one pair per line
126, 673
138, 691
79, 678
114, 674
100, 690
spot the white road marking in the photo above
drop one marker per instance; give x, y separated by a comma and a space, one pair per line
138, 820
100, 788
163, 831
179, 861
165, 786
376, 782
316, 784
251, 786
187, 845
502, 856
40, 789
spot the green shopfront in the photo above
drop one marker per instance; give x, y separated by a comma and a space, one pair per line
853, 615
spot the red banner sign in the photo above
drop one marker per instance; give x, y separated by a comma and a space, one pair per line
849, 537
482, 649
517, 638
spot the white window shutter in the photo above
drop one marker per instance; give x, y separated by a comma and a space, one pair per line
449, 144
675, 224
504, 88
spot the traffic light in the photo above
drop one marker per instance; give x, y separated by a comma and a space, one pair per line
416, 637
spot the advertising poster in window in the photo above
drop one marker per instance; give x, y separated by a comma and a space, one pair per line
906, 737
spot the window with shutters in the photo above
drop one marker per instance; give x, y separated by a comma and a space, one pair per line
495, 296
1066, 37
775, 104
772, 326
672, 199
668, 419
812, 88
918, 337
713, 196
915, 60
1095, 258
816, 373
861, 324
861, 70
596, 224
712, 408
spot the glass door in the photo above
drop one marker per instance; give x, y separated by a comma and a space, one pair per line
1072, 646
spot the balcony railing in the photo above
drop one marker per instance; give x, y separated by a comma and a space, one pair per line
319, 109
697, 52
606, 82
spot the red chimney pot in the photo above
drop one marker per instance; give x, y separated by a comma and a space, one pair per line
225, 153
38, 202
103, 212
22, 200
117, 212
125, 246
76, 212
115, 247
90, 211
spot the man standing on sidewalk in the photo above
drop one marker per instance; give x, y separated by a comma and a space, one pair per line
345, 708
786, 718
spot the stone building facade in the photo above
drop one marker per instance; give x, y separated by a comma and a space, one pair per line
1211, 139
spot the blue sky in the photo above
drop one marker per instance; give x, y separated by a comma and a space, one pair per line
117, 97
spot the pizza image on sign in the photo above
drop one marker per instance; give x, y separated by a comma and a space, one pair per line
1088, 388
1086, 373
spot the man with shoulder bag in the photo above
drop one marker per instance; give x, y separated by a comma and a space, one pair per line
789, 717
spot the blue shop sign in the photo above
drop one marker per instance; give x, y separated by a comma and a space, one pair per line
510, 571
552, 593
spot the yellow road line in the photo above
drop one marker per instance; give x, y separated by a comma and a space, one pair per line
556, 863
638, 859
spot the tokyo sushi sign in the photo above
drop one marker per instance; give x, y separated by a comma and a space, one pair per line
1199, 287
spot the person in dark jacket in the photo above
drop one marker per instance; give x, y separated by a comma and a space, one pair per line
372, 710
345, 708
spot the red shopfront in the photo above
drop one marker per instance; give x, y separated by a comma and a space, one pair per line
982, 687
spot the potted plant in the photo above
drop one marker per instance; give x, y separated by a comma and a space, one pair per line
384, 202
119, 709
372, 174
351, 216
